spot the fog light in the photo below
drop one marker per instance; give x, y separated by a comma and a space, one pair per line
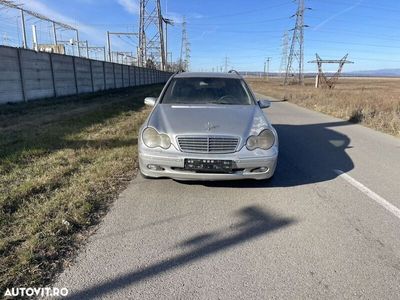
260, 170
155, 168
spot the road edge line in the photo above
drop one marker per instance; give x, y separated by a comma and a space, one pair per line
371, 194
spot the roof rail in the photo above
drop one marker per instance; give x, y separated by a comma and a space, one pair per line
236, 72
179, 71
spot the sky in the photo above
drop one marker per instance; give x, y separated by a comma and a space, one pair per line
246, 32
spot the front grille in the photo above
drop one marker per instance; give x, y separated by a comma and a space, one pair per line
208, 144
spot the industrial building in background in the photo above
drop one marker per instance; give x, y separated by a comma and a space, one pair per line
151, 52
295, 65
322, 79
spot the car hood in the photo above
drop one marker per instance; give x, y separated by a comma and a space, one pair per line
237, 120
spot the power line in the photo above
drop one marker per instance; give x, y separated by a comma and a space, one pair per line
256, 10
366, 5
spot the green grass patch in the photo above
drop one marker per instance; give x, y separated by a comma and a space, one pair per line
62, 161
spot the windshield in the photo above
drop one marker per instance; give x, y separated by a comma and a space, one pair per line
228, 91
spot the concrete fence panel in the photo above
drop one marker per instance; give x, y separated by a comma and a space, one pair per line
36, 75
10, 76
132, 76
125, 76
145, 76
98, 76
139, 76
64, 75
118, 75
144, 73
83, 75
28, 75
109, 71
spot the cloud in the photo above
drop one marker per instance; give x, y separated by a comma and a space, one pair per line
195, 16
130, 6
337, 14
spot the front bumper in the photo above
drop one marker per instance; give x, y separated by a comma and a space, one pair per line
246, 162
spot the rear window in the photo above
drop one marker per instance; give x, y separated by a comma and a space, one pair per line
223, 91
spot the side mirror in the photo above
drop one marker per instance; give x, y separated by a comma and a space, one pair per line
150, 101
264, 103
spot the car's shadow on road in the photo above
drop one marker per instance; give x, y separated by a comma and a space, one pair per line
308, 154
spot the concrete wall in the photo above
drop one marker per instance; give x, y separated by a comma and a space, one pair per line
36, 75
98, 75
64, 74
10, 76
27, 75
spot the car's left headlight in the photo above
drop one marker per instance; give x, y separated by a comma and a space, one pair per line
264, 140
152, 138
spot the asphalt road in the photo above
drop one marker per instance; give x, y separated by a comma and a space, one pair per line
307, 233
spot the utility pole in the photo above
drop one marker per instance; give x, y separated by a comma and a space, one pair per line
151, 34
268, 60
24, 42
185, 48
108, 46
34, 38
172, 23
226, 64
297, 48
265, 64
77, 42
87, 49
284, 54
54, 33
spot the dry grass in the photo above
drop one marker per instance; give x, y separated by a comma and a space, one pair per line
373, 102
61, 164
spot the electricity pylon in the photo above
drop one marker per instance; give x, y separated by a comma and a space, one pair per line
296, 73
151, 35
322, 80
185, 49
284, 54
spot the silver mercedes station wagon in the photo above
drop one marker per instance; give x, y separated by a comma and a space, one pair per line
207, 126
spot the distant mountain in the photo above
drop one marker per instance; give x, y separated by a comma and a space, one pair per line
377, 73
366, 73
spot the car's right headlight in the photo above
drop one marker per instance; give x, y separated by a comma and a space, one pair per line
152, 139
264, 140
